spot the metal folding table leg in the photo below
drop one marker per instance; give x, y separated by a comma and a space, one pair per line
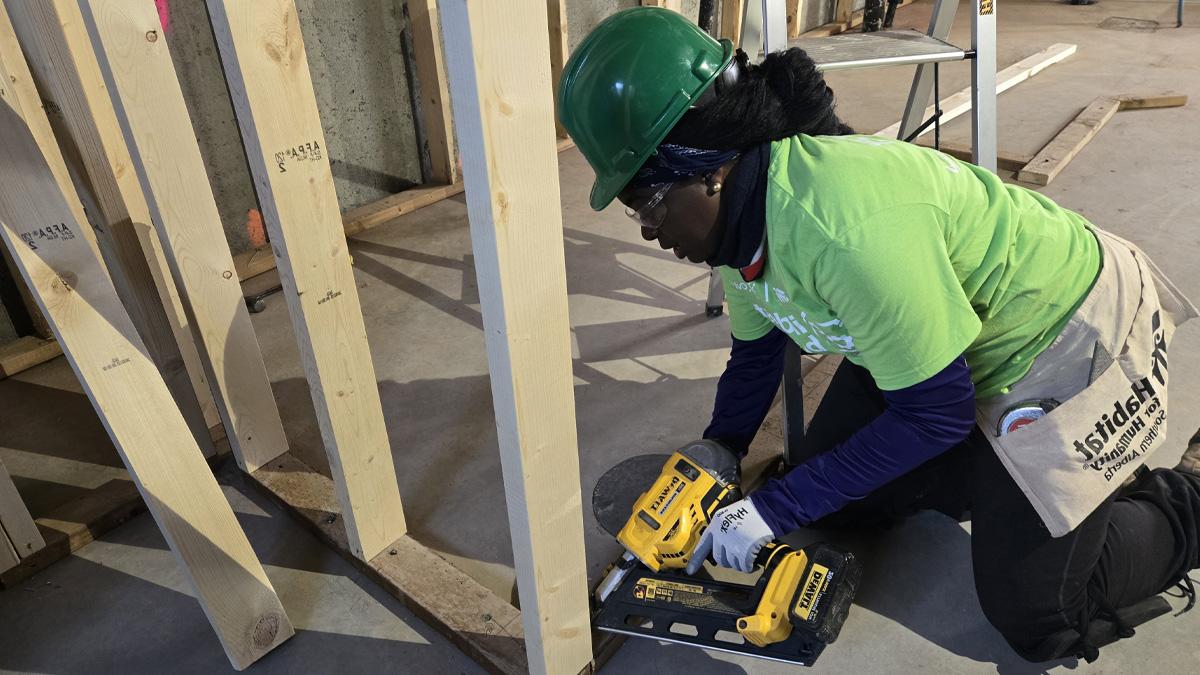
793, 405
716, 295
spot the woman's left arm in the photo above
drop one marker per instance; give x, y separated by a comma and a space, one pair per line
920, 422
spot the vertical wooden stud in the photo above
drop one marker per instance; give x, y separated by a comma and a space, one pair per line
503, 114
133, 403
795, 17
435, 96
65, 69
132, 52
732, 13
266, 67
556, 17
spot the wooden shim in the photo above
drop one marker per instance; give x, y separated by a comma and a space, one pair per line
26, 352
134, 404
134, 57
1130, 102
15, 520
556, 19
960, 102
68, 76
435, 96
503, 114
486, 627
1012, 163
673, 5
732, 14
1059, 152
266, 67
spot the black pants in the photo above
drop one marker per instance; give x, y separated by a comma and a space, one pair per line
1138, 543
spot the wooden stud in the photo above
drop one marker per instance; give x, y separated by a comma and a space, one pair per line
15, 519
63, 65
960, 102
795, 18
8, 555
503, 113
266, 67
556, 18
134, 58
26, 352
842, 10
732, 13
1053, 158
435, 97
1129, 102
133, 403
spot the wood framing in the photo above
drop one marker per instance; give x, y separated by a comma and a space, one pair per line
503, 115
960, 102
435, 97
795, 18
732, 14
485, 627
673, 5
64, 67
1055, 156
266, 67
25, 353
133, 403
842, 10
76, 524
134, 57
18, 527
389, 208
556, 19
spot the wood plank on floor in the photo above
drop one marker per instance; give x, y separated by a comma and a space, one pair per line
1054, 157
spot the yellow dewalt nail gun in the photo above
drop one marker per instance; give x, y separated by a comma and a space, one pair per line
796, 607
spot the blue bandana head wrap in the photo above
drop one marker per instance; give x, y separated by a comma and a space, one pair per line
671, 163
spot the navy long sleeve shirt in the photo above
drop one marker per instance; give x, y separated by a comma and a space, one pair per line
919, 423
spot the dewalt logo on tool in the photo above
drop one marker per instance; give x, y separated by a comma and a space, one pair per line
814, 588
668, 494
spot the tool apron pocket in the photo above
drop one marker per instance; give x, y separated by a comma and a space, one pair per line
1070, 460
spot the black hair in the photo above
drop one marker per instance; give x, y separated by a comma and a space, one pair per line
783, 96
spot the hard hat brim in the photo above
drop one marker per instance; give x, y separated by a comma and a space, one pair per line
604, 191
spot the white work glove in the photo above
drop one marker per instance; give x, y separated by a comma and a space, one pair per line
734, 537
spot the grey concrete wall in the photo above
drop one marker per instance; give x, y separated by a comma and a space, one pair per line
360, 76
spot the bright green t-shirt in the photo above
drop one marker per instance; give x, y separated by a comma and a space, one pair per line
903, 258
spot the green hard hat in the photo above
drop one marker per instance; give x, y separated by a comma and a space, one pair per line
628, 83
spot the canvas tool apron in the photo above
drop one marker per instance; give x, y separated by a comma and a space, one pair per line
1104, 382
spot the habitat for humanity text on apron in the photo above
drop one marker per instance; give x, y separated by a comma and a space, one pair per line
1104, 381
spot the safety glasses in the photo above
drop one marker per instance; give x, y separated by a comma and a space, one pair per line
651, 215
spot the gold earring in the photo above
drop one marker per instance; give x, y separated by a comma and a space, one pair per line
716, 187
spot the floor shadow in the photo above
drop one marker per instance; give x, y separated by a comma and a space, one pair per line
31, 409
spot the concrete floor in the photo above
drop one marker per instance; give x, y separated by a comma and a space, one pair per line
646, 362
